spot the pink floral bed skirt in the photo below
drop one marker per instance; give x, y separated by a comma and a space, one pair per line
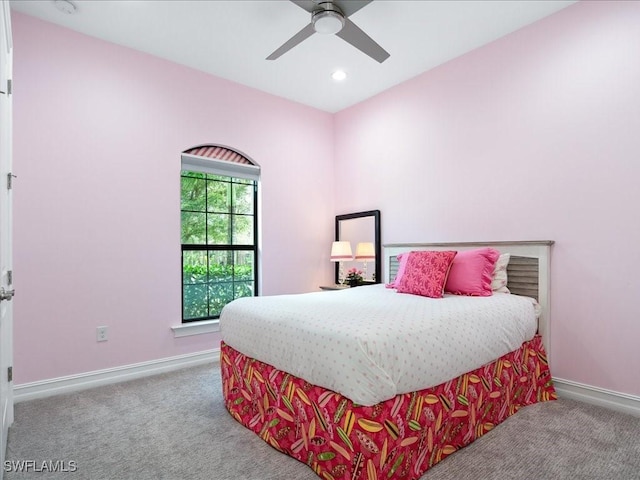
399, 438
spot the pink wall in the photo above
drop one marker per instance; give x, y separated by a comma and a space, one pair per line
535, 136
98, 131
531, 137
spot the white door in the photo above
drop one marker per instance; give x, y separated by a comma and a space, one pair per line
6, 281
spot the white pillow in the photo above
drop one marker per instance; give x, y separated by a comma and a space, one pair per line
499, 278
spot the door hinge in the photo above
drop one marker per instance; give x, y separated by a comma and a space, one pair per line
9, 277
9, 87
10, 177
9, 374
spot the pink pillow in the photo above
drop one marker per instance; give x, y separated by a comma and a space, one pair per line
402, 258
426, 273
472, 271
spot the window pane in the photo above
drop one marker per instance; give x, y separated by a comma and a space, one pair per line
243, 199
192, 194
218, 196
221, 178
243, 180
242, 230
218, 229
216, 210
194, 267
219, 295
243, 289
220, 266
243, 266
194, 303
193, 228
190, 173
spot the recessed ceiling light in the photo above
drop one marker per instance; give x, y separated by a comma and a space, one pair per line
65, 6
339, 75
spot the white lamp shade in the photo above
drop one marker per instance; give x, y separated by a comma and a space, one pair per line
341, 251
365, 252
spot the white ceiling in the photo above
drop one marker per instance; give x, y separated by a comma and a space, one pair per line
231, 39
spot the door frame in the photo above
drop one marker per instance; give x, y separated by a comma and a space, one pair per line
6, 247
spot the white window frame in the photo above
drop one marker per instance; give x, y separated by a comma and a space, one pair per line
229, 169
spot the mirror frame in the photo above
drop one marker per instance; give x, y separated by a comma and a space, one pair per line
377, 243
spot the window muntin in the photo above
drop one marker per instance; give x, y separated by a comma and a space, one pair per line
219, 242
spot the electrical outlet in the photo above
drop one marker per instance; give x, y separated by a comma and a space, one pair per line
101, 334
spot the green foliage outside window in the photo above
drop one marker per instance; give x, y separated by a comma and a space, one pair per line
217, 213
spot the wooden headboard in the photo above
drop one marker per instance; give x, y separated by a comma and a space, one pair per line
527, 272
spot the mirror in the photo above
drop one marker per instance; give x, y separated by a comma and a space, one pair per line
361, 227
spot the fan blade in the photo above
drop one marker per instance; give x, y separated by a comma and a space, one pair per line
349, 7
352, 34
303, 34
308, 5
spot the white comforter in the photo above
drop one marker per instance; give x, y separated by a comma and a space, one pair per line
371, 343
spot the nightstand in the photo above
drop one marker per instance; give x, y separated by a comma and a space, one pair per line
334, 287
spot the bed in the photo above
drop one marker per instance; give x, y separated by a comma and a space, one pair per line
393, 402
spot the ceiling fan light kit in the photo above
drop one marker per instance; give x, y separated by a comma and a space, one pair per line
331, 17
327, 22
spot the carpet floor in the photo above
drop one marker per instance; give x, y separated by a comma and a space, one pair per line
174, 426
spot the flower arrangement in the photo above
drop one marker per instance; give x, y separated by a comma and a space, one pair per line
354, 277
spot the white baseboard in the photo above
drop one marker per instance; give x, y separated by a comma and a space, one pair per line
602, 397
81, 381
621, 402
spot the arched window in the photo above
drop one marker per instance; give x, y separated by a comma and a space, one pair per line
219, 229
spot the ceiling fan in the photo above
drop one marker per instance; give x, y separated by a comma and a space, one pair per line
332, 17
